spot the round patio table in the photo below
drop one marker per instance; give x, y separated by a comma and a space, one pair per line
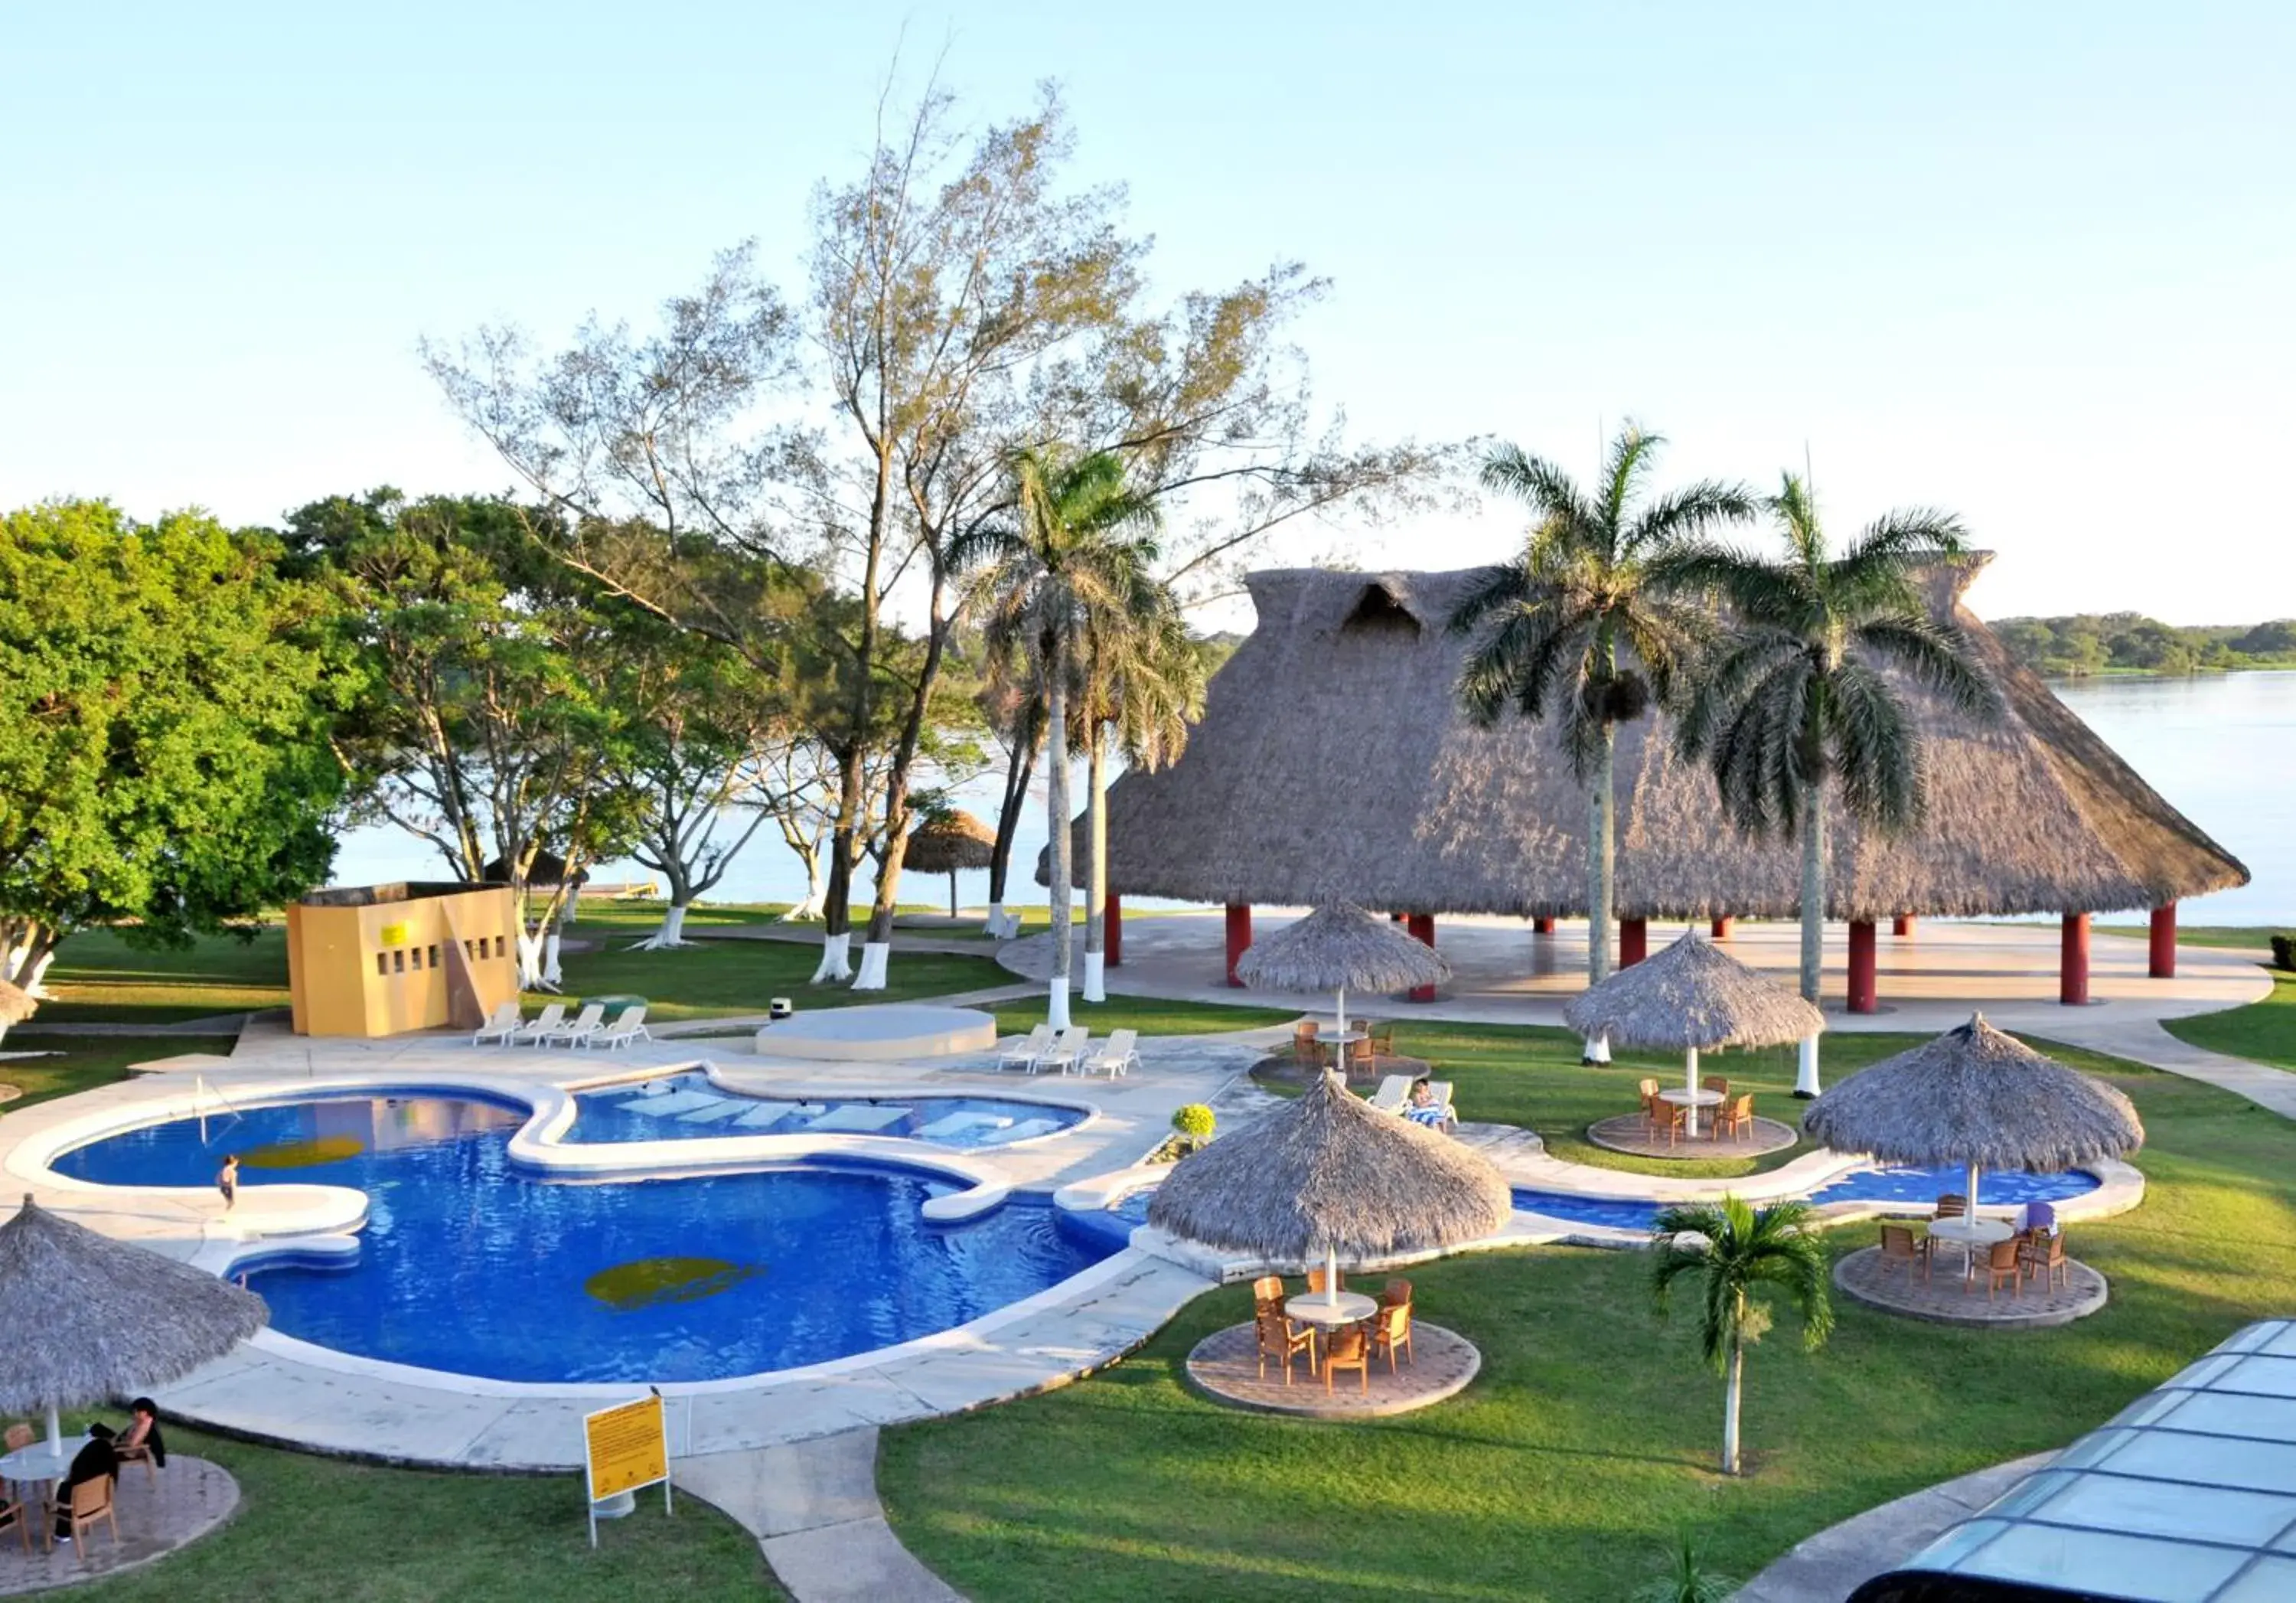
1971, 1234
1319, 1308
1683, 1097
41, 1462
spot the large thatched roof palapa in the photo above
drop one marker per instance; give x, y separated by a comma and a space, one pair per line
84, 1318
948, 842
1339, 948
1976, 1096
1332, 764
1691, 994
1328, 1173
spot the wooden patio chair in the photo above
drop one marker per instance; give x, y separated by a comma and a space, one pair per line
21, 1516
1952, 1205
1736, 1116
91, 1500
2001, 1265
1390, 1329
1280, 1338
1665, 1119
1379, 1040
1899, 1245
2043, 1255
1267, 1289
1349, 1349
1309, 1052
1396, 1292
1316, 1281
1716, 1082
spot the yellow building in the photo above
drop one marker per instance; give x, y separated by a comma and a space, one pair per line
378, 959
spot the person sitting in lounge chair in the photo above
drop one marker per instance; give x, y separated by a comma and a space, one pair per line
141, 1439
1425, 1107
93, 1462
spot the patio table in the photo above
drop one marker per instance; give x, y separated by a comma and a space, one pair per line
41, 1462
1320, 1308
1693, 1100
1971, 1234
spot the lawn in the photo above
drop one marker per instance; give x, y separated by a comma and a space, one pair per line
1588, 1440
81, 1063
98, 978
2233, 937
312, 1528
1150, 1015
714, 978
2264, 1031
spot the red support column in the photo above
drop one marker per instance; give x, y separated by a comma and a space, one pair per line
1902, 924
1423, 928
1239, 937
1634, 942
1542, 927
2072, 961
2164, 943
1720, 928
1112, 927
1863, 992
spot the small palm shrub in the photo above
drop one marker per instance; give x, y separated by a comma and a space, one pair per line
1194, 1122
1685, 1579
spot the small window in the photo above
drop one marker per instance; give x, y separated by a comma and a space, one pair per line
382, 963
499, 950
468, 951
434, 957
399, 962
416, 957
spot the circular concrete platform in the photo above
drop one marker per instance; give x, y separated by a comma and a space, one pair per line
1941, 1300
1627, 1133
1224, 1366
188, 1499
881, 1033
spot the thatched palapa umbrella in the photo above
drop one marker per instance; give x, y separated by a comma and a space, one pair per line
1327, 1174
1338, 946
948, 842
84, 1318
1978, 1098
1692, 998
16, 1005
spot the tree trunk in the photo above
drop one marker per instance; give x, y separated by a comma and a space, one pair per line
1095, 871
1056, 817
815, 892
837, 901
670, 935
1813, 925
1733, 1387
1002, 924
1599, 863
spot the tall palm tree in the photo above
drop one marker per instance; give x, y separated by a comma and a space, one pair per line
1734, 1252
1074, 556
1142, 685
1794, 695
1578, 627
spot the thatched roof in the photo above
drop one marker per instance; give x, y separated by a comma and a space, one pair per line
1976, 1096
948, 842
1691, 994
16, 1005
1332, 764
548, 868
1338, 946
1326, 1172
84, 1318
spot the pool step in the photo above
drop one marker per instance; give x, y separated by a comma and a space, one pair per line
859, 1118
676, 1101
951, 1127
726, 1107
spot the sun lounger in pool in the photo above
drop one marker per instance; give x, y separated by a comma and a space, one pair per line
951, 1127
727, 1108
1029, 1128
774, 1113
858, 1119
676, 1101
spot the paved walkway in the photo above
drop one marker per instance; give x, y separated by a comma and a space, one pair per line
190, 1498
1830, 1566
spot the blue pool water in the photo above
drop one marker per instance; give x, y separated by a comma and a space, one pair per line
473, 1264
687, 1107
1995, 1188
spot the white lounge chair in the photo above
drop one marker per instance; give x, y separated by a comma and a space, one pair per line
551, 1015
1032, 1047
1393, 1091
584, 1025
629, 1027
501, 1024
1118, 1054
1067, 1052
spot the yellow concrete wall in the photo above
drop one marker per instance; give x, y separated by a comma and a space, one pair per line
399, 965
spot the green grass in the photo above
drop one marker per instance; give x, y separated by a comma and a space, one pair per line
2262, 1031
311, 1527
1588, 1440
84, 1062
720, 977
98, 978
2234, 937
1150, 1015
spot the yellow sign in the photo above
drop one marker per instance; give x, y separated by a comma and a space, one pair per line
629, 1447
394, 934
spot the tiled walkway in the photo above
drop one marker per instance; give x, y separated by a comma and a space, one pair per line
190, 1498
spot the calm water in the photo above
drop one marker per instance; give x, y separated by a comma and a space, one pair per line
687, 1107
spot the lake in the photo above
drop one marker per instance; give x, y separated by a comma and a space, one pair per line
2221, 747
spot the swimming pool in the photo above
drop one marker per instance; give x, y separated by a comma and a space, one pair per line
471, 1263
677, 1107
1995, 1187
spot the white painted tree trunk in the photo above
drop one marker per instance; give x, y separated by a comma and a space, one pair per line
532, 972
833, 963
1597, 1049
1813, 927
670, 936
1057, 999
1599, 862
1095, 976
1733, 1388
1095, 879
553, 975
1000, 925
34, 985
875, 955
816, 895
1056, 819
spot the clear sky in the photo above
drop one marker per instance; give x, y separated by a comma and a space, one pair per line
2033, 263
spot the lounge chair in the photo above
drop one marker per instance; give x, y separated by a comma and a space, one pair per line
1280, 1338
582, 1027
1899, 1245
1392, 1092
500, 1026
551, 1015
1119, 1053
629, 1027
1032, 1047
1067, 1051
1438, 1114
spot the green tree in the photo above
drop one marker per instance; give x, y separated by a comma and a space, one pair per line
1734, 1252
1583, 628
1075, 559
1793, 699
164, 713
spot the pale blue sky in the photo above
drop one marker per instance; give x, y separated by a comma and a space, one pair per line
2033, 263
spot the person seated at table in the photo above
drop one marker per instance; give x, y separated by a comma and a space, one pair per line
142, 1440
2040, 1216
96, 1461
1423, 1109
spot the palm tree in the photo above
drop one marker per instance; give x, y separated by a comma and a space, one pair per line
1735, 1252
1073, 559
1577, 625
1144, 684
1794, 694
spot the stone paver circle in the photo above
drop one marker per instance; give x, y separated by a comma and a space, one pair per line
157, 1516
1626, 1133
1941, 1301
1224, 1366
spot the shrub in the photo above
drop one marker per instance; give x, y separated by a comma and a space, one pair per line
2283, 951
1194, 1121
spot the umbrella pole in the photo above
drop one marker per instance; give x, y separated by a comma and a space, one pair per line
55, 1429
1342, 1044
1331, 1276
1690, 1084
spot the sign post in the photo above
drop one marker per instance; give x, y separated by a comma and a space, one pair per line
625, 1448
